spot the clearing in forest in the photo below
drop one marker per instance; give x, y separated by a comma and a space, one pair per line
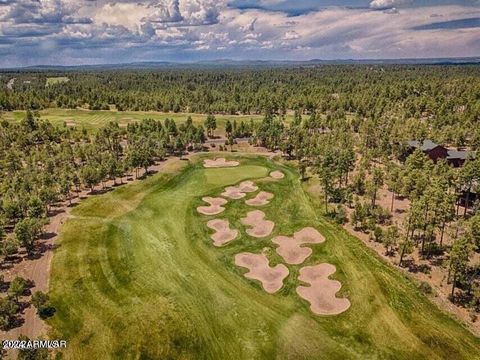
141, 255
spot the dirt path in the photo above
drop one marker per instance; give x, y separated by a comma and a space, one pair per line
38, 269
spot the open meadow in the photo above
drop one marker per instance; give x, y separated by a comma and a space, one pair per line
137, 275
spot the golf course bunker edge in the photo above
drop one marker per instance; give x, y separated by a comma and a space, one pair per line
321, 292
259, 269
291, 249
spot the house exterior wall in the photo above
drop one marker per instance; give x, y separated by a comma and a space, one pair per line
438, 152
456, 162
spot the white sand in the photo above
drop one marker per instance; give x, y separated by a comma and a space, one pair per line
291, 249
259, 269
277, 174
259, 226
223, 234
214, 208
321, 292
262, 198
220, 162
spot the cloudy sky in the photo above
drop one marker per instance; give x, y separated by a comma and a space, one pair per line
72, 32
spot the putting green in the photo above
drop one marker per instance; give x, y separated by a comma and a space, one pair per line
136, 276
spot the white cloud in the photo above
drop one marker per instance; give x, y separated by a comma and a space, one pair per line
388, 4
291, 35
172, 29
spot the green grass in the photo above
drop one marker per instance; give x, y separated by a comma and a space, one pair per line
136, 277
56, 80
94, 119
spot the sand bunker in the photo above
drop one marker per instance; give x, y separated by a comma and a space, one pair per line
223, 233
239, 191
220, 162
214, 208
290, 248
262, 198
321, 292
270, 277
277, 174
259, 226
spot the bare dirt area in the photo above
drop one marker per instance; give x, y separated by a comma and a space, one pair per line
259, 269
215, 206
291, 249
240, 191
433, 271
259, 226
219, 162
277, 174
223, 233
262, 198
321, 292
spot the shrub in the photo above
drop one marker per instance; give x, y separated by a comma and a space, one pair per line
425, 288
42, 302
378, 234
340, 215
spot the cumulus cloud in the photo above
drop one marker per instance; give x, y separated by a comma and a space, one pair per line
291, 35
388, 4
186, 12
43, 12
69, 31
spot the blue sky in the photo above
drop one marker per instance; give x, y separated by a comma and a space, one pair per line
72, 32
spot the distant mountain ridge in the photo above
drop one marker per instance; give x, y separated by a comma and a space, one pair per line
222, 63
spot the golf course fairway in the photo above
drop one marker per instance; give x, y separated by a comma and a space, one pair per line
136, 276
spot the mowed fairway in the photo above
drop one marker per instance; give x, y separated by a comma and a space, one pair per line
94, 119
136, 276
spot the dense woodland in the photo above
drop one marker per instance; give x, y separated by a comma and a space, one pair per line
349, 131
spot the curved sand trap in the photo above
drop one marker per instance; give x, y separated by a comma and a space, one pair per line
214, 208
321, 292
277, 174
290, 248
239, 191
220, 162
270, 277
223, 233
259, 226
262, 198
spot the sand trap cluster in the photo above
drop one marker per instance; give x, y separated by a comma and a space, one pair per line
214, 208
321, 292
223, 233
259, 226
239, 191
277, 174
259, 269
262, 198
220, 162
290, 248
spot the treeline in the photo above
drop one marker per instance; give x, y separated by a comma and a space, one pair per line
445, 96
41, 164
353, 158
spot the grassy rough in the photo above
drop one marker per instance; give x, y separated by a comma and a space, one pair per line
136, 276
